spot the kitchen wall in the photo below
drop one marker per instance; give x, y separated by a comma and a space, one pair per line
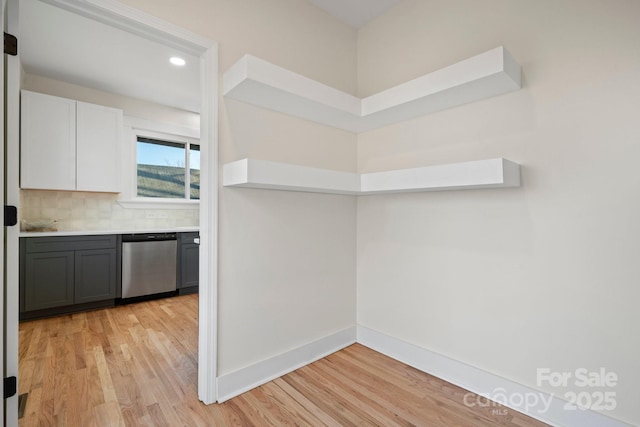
101, 211
286, 260
512, 280
77, 210
131, 106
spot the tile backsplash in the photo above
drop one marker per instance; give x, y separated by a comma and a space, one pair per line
78, 211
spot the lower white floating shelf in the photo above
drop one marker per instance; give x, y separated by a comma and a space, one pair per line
491, 173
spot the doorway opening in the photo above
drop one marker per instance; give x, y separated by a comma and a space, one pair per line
149, 28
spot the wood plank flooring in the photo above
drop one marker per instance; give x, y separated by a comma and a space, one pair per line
136, 365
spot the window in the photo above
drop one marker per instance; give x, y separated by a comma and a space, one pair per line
167, 169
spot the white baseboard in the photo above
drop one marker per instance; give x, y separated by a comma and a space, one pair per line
247, 378
482, 382
466, 376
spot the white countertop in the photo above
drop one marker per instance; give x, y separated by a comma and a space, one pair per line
102, 232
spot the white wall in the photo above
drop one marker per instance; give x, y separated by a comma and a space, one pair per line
287, 260
511, 280
131, 106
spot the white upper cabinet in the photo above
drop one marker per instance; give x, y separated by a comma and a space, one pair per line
97, 142
48, 142
69, 145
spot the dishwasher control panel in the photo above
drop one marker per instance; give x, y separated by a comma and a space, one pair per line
145, 237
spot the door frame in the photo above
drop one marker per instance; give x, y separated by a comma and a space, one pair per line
11, 173
4, 368
135, 21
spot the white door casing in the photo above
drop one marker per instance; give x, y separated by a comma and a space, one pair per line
3, 324
12, 191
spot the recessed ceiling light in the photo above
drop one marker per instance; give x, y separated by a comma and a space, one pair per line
177, 61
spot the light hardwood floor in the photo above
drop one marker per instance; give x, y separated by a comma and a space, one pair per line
135, 365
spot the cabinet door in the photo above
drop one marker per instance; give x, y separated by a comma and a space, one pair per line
95, 275
48, 142
189, 265
49, 280
99, 131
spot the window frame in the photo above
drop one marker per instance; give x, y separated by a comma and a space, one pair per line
184, 143
177, 134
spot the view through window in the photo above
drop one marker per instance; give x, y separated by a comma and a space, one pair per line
167, 169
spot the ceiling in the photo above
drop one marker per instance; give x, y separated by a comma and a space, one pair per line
356, 13
62, 45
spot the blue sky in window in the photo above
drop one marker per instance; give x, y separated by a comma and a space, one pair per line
195, 159
161, 155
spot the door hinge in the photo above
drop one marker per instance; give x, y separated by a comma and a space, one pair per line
10, 44
10, 387
10, 216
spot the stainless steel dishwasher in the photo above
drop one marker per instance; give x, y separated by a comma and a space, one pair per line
149, 264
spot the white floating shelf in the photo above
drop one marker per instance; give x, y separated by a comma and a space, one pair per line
492, 173
282, 176
261, 83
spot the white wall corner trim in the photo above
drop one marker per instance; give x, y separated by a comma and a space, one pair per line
249, 377
481, 382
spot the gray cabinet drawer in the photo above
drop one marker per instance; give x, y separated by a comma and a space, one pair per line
69, 243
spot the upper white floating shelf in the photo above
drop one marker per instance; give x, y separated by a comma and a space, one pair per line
491, 173
261, 83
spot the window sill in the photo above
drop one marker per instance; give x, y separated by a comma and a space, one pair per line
159, 204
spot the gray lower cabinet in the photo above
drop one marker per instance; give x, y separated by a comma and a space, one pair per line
95, 275
188, 263
66, 274
48, 280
